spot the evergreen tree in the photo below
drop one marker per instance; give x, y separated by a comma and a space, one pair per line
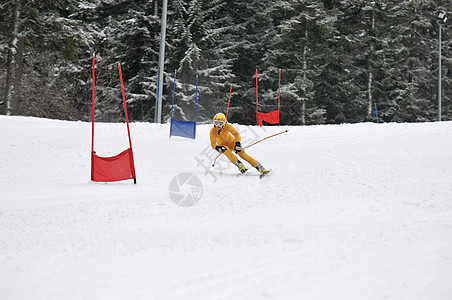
300, 48
45, 41
363, 26
198, 32
129, 37
249, 30
338, 58
418, 99
391, 51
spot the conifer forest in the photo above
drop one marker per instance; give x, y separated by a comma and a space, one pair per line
339, 59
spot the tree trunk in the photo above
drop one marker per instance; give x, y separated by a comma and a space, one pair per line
19, 71
369, 82
12, 72
305, 69
369, 95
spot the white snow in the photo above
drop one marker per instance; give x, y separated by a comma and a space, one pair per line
359, 211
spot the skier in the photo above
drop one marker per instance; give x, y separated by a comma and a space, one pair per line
224, 138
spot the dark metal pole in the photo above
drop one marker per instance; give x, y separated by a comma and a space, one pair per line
439, 75
158, 101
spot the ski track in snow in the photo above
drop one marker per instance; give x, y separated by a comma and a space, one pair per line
353, 211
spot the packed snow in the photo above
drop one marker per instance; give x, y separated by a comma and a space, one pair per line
353, 211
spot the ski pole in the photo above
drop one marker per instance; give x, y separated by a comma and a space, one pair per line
273, 135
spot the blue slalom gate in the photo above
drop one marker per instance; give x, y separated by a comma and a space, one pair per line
184, 128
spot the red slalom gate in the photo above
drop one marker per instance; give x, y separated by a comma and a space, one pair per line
114, 168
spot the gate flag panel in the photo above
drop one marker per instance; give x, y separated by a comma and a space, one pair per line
183, 128
271, 117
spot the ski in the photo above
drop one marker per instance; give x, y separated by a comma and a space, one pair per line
264, 173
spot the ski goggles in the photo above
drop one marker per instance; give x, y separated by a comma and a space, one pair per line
218, 123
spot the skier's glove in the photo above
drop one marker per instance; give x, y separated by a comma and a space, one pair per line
237, 147
220, 149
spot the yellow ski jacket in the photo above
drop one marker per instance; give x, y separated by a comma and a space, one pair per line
227, 136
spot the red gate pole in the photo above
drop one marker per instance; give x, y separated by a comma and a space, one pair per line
257, 102
92, 117
127, 122
279, 96
229, 100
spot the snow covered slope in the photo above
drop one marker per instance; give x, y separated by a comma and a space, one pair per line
358, 211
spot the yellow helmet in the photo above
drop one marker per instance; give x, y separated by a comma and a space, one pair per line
219, 120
